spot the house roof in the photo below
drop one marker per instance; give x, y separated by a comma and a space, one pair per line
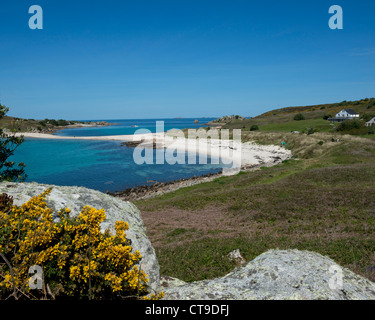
351, 111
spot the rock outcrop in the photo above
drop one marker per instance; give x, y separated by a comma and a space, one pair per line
281, 275
76, 198
169, 282
274, 275
227, 119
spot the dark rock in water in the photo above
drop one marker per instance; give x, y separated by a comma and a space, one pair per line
131, 144
134, 144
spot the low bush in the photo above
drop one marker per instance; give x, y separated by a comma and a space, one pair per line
349, 125
299, 117
368, 116
311, 130
77, 259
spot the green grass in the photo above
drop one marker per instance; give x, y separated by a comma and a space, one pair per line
282, 120
323, 201
206, 259
302, 125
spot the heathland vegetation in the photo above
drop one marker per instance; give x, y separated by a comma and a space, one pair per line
310, 117
320, 200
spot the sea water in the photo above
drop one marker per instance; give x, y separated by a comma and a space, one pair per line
99, 165
130, 126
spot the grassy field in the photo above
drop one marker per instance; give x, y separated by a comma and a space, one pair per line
318, 124
282, 120
322, 200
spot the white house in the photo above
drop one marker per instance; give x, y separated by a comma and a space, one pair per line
370, 123
348, 114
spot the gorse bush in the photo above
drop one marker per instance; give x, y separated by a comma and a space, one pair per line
299, 116
78, 260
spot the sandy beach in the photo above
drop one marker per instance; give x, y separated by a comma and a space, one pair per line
52, 136
243, 155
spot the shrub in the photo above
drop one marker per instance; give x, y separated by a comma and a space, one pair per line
299, 116
349, 125
9, 170
371, 104
77, 259
254, 127
368, 116
62, 122
53, 122
311, 131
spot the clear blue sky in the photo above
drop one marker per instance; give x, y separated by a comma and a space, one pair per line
157, 58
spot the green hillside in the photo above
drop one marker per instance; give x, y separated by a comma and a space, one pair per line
282, 120
320, 200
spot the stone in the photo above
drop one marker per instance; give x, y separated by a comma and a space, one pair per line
170, 282
280, 275
116, 209
236, 256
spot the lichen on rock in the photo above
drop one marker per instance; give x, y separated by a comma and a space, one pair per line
75, 198
280, 275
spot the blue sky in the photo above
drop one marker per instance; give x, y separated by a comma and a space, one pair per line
145, 59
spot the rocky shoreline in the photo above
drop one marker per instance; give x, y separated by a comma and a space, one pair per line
160, 188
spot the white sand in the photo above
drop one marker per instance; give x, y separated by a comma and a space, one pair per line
51, 136
241, 154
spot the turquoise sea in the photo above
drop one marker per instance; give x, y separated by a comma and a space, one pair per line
103, 165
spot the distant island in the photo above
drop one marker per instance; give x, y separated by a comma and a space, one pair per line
46, 125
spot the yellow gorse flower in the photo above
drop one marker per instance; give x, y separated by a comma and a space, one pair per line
73, 252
